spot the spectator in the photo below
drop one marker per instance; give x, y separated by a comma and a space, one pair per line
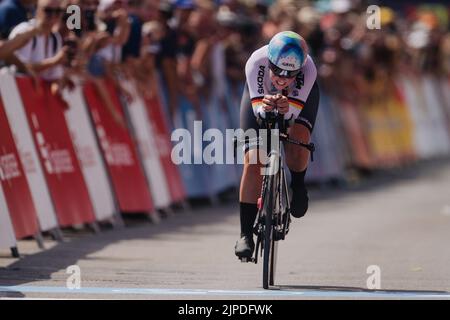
115, 22
186, 43
167, 54
44, 53
8, 47
99, 43
132, 47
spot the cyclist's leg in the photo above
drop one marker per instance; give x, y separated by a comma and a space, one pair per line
296, 157
251, 181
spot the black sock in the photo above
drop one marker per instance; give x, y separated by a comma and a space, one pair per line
248, 216
297, 179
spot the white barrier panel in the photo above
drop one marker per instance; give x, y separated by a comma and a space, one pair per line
28, 154
414, 102
222, 176
143, 133
88, 153
445, 87
437, 116
7, 238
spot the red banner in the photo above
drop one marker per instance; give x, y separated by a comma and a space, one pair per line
56, 152
162, 134
15, 186
120, 153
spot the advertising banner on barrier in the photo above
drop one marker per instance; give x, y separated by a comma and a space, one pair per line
7, 239
233, 100
195, 174
215, 110
354, 134
148, 149
329, 159
23, 139
161, 135
89, 154
222, 175
410, 87
15, 186
403, 126
444, 86
441, 139
194, 177
119, 152
45, 112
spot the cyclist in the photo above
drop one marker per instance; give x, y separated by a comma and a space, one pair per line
282, 76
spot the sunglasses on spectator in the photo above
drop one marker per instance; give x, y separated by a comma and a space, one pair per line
283, 73
52, 11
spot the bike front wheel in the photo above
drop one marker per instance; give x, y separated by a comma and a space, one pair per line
269, 247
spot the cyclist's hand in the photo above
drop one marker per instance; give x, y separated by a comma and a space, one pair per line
269, 103
282, 104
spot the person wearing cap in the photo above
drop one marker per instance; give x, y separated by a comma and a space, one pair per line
281, 76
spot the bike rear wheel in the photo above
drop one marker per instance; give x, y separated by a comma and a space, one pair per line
269, 246
276, 196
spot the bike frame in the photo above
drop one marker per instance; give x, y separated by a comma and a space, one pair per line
273, 219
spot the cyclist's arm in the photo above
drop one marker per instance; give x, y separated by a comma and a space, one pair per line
255, 73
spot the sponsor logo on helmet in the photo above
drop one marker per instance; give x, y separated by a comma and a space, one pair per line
289, 62
260, 79
286, 64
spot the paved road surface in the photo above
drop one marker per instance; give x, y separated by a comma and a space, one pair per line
399, 222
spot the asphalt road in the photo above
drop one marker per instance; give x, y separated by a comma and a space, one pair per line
399, 222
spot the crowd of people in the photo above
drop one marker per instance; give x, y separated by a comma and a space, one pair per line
193, 45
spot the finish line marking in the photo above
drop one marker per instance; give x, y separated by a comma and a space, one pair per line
202, 292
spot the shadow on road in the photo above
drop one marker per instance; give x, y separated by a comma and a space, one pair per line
42, 265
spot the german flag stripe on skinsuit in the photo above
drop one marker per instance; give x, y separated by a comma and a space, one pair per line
296, 103
256, 102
